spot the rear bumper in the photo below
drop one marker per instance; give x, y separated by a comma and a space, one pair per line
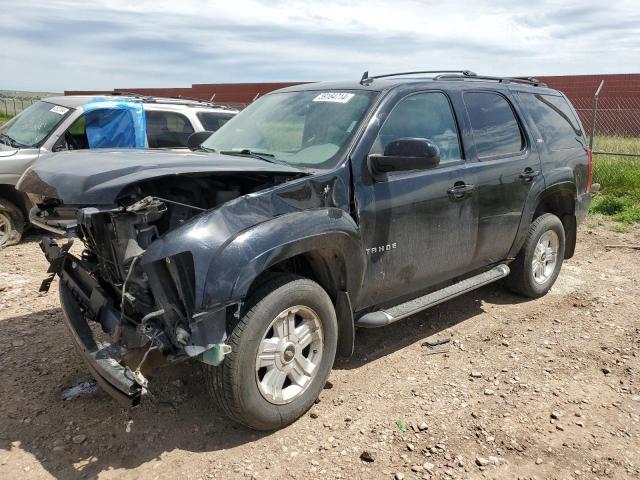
583, 202
80, 299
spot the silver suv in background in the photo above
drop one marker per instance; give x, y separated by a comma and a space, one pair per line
83, 122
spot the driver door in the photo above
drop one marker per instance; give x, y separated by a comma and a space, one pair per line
417, 231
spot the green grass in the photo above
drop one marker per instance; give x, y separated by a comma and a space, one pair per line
616, 173
619, 178
623, 207
5, 118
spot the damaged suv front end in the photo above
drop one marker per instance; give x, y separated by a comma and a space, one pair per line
146, 294
172, 242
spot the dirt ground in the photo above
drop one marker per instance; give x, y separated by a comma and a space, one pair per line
528, 389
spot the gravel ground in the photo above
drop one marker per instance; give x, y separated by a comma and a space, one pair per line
527, 389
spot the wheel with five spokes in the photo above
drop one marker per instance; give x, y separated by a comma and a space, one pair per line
283, 349
537, 265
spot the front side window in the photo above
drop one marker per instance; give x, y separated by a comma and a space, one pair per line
555, 120
303, 128
75, 138
167, 129
423, 115
496, 131
33, 125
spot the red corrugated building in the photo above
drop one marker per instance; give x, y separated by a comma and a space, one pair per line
620, 92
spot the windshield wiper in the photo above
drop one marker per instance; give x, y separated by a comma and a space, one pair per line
200, 148
247, 152
7, 140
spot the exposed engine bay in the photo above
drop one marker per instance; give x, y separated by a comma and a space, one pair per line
147, 310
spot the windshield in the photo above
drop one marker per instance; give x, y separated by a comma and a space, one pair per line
307, 129
33, 125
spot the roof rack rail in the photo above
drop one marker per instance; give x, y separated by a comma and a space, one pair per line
177, 100
201, 101
367, 80
526, 80
130, 94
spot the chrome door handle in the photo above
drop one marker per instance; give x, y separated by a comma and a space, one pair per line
529, 174
461, 190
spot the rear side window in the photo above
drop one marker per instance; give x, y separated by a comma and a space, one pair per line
213, 121
167, 129
496, 131
555, 120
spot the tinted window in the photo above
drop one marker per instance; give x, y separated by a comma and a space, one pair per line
554, 119
495, 128
213, 121
423, 115
167, 129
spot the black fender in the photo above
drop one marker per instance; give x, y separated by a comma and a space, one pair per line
328, 230
533, 200
231, 245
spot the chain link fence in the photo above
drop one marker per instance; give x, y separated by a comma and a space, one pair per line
10, 106
613, 125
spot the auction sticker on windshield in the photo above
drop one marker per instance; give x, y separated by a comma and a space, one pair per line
337, 97
59, 110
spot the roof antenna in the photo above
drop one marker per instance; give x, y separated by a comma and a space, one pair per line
212, 97
256, 97
365, 78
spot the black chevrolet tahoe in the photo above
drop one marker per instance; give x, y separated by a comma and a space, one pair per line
319, 209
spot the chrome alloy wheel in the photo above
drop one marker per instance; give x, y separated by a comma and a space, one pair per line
5, 228
545, 256
289, 355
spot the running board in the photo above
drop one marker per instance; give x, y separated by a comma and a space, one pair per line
384, 317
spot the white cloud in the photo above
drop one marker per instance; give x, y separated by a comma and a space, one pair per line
67, 44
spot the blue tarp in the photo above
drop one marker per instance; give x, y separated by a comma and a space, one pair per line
115, 123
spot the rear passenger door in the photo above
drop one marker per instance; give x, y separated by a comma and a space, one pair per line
167, 129
506, 167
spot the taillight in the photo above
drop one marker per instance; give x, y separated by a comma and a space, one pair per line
589, 169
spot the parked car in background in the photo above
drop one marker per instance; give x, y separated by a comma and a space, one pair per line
318, 209
58, 124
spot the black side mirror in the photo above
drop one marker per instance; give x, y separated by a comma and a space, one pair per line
403, 155
196, 139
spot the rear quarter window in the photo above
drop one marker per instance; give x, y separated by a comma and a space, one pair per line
555, 120
167, 129
496, 131
213, 121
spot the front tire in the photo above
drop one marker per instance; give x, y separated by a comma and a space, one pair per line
11, 223
283, 349
538, 264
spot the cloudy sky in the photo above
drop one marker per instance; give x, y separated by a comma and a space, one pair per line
54, 45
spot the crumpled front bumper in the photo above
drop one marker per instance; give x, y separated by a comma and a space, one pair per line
79, 300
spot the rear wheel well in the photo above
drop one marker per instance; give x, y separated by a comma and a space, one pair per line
562, 204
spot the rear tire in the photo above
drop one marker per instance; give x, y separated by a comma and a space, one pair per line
283, 349
11, 223
537, 265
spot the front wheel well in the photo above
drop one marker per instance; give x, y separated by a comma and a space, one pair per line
326, 267
19, 199
562, 204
